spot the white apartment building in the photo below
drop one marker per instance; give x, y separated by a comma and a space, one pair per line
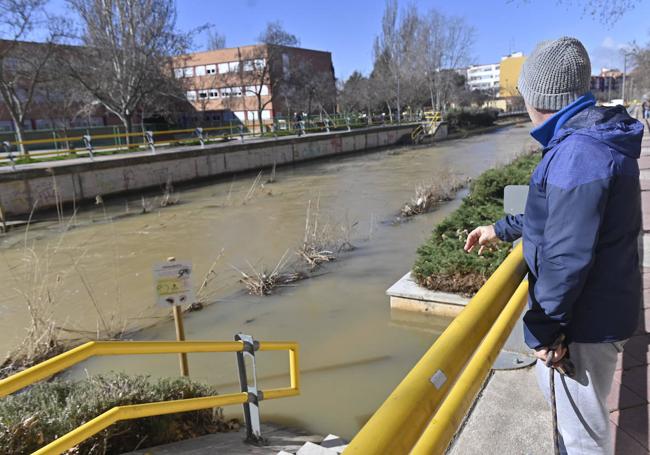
483, 77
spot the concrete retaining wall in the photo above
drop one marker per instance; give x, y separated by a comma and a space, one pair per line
41, 185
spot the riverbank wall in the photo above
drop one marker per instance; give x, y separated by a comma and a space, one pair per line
42, 186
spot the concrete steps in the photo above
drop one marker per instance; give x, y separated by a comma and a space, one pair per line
331, 445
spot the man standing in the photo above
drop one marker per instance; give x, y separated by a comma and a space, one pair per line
580, 229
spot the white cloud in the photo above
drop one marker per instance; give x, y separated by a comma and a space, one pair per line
607, 54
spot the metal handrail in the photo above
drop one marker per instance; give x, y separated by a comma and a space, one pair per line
231, 132
401, 420
102, 348
452, 410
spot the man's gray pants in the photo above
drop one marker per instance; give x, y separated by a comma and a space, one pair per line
582, 413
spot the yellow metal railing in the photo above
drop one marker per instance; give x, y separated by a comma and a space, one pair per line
403, 424
427, 127
211, 134
103, 348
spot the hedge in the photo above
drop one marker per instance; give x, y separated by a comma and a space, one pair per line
35, 417
441, 263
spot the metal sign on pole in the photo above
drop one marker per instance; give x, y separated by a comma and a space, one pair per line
515, 353
174, 288
6, 148
251, 408
199, 133
148, 135
89, 145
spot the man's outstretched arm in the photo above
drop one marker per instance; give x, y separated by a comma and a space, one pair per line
510, 227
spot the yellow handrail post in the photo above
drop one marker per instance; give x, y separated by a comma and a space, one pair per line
401, 419
101, 348
450, 415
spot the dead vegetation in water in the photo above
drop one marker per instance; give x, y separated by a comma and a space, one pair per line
263, 281
39, 280
323, 240
428, 195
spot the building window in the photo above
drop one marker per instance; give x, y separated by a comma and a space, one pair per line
189, 71
200, 70
249, 65
225, 92
241, 115
252, 116
223, 68
211, 69
203, 94
266, 114
191, 95
178, 73
260, 63
213, 93
235, 91
233, 67
253, 90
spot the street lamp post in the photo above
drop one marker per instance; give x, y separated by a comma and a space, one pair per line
625, 55
624, 71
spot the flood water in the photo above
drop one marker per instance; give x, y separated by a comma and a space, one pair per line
353, 351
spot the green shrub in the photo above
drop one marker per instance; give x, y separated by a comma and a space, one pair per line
441, 263
31, 419
470, 118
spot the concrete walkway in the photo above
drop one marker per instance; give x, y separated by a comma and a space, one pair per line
232, 443
628, 401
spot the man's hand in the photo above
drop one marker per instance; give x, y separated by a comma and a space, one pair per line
483, 235
559, 353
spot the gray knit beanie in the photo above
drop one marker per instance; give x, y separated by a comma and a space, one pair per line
555, 74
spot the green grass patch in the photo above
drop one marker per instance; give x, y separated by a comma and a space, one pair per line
441, 263
32, 419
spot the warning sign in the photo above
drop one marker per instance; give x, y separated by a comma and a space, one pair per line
173, 283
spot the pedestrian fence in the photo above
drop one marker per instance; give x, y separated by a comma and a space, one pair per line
62, 144
250, 396
423, 413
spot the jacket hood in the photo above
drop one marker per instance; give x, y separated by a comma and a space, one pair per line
610, 125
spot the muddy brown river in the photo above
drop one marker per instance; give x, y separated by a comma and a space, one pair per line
93, 271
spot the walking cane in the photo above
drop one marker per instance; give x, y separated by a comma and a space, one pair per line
564, 367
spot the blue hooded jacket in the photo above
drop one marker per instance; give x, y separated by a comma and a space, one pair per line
580, 227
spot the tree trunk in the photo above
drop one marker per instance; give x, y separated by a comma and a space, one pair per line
390, 113
127, 121
20, 137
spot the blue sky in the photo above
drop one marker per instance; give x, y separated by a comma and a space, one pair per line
347, 28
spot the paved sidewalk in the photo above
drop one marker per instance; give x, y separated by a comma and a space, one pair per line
628, 401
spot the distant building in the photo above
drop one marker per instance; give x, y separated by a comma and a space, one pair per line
224, 85
608, 84
510, 68
483, 77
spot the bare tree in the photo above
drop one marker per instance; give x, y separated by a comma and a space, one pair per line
128, 45
607, 12
261, 63
413, 55
311, 89
63, 100
357, 94
388, 55
22, 64
640, 74
215, 41
446, 44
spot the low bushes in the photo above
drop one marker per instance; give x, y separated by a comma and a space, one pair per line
470, 118
441, 263
31, 419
